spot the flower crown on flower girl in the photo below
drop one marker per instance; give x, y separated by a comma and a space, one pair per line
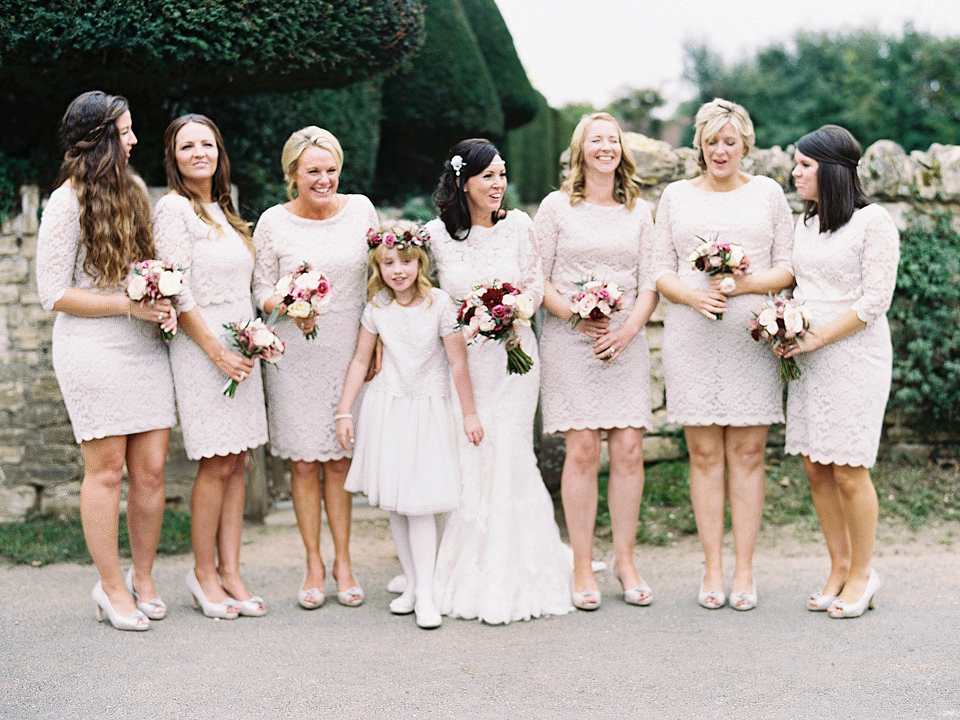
399, 235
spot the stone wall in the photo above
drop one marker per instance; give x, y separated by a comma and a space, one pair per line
40, 465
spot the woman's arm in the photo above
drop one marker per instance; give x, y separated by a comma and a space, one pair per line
708, 303
772, 280
233, 365
356, 372
456, 349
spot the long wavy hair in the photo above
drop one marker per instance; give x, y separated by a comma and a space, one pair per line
376, 283
221, 177
115, 228
449, 197
839, 190
625, 188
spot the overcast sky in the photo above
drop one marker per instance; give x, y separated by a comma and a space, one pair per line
585, 50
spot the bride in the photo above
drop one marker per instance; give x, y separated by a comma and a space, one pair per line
501, 558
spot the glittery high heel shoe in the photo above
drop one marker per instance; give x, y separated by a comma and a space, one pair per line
136, 621
843, 609
154, 609
640, 595
226, 610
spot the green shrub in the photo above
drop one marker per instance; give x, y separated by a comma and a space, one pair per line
519, 101
14, 172
925, 318
533, 155
445, 95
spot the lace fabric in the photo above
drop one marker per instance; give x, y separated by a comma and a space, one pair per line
303, 391
835, 409
500, 558
610, 244
715, 374
218, 267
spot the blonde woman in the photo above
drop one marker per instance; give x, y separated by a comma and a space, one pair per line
107, 352
321, 226
596, 376
722, 387
197, 228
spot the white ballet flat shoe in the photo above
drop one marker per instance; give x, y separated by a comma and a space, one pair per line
842, 609
136, 621
154, 609
226, 610
428, 617
402, 605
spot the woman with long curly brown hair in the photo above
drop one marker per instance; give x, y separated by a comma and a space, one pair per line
108, 357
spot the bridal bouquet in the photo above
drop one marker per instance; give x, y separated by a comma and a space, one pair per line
153, 280
595, 300
779, 321
720, 258
253, 339
493, 310
305, 292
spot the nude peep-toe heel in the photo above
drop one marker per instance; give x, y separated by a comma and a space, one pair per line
135, 621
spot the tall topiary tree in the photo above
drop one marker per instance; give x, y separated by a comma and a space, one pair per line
162, 54
519, 101
533, 155
445, 95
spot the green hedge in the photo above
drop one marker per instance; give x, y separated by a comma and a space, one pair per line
925, 319
519, 101
533, 155
445, 95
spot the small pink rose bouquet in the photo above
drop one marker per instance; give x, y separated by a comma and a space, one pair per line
779, 321
253, 339
153, 280
493, 310
595, 300
720, 258
305, 293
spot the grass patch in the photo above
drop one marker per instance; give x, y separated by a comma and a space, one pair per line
911, 494
43, 539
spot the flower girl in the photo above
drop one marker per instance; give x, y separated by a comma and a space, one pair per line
405, 459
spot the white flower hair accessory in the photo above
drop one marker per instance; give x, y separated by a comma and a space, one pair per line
457, 163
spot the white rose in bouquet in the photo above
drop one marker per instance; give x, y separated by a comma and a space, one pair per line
170, 282
299, 309
137, 287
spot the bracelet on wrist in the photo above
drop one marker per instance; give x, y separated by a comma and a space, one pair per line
342, 416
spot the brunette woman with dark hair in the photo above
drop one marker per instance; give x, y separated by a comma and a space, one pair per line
109, 359
845, 257
198, 229
500, 558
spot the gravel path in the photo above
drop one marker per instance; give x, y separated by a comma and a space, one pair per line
671, 660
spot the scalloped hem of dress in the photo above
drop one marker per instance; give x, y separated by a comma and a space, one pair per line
724, 422
559, 429
824, 460
322, 459
239, 448
132, 432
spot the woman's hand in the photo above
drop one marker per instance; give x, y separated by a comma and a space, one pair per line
160, 312
345, 432
594, 329
473, 428
810, 342
233, 365
611, 344
727, 284
306, 324
708, 303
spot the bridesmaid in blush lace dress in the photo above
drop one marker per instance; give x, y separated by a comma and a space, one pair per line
107, 352
722, 386
329, 230
197, 228
845, 255
596, 376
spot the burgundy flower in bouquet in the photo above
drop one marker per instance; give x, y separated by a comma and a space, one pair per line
779, 321
720, 258
493, 310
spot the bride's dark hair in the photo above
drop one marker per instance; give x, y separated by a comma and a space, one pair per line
475, 155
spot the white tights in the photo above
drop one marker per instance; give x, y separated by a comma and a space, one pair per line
416, 539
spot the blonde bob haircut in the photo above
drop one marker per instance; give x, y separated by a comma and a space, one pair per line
298, 142
375, 283
712, 116
625, 188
